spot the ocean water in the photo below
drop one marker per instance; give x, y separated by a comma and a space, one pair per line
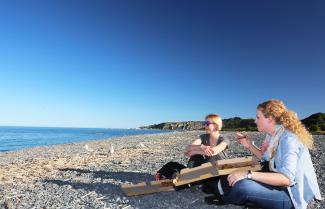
14, 138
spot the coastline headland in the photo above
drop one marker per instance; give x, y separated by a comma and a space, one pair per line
315, 123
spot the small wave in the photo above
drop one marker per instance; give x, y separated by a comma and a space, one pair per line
4, 150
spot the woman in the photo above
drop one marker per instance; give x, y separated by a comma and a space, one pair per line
209, 147
291, 182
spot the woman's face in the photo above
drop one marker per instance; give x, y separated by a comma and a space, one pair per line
210, 126
263, 124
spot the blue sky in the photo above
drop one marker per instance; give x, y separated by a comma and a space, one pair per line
124, 64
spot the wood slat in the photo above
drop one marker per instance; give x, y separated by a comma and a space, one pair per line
189, 175
147, 187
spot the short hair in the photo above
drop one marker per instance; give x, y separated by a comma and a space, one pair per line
214, 118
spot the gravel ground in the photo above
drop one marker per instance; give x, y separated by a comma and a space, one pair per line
89, 174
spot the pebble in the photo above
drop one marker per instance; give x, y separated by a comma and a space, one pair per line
89, 174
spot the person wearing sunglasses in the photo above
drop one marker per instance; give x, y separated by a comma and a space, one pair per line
209, 147
291, 181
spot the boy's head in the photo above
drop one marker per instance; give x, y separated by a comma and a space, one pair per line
214, 120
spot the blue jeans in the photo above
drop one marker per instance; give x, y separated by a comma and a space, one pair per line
262, 195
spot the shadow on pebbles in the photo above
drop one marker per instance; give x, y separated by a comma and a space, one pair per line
89, 174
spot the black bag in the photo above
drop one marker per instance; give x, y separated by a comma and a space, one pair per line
169, 170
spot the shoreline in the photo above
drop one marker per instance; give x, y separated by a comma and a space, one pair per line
88, 174
16, 138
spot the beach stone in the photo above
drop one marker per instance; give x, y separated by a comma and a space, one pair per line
71, 176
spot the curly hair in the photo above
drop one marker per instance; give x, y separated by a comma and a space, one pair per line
289, 119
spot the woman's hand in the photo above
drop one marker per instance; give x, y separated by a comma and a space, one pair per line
208, 151
236, 176
244, 140
188, 153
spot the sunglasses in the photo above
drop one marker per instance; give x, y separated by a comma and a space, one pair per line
206, 123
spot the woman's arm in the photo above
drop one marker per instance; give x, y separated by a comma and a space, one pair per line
194, 152
247, 143
285, 170
194, 148
274, 179
198, 148
219, 148
256, 151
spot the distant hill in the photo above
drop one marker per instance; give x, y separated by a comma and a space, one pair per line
232, 124
314, 123
187, 125
239, 124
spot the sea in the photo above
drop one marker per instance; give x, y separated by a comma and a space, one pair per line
15, 138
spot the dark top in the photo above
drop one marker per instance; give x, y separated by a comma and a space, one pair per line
221, 155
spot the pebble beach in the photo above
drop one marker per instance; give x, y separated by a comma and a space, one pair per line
89, 174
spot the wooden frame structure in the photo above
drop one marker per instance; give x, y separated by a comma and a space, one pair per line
190, 175
219, 168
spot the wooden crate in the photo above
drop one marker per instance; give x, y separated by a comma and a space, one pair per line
221, 167
148, 187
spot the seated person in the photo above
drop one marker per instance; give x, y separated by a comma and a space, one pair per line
292, 182
210, 147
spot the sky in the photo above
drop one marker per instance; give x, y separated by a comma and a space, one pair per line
125, 63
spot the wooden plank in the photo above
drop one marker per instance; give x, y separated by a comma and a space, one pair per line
147, 187
232, 164
189, 175
236, 162
245, 168
209, 170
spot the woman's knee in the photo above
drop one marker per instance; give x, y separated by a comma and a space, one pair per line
243, 186
238, 193
195, 160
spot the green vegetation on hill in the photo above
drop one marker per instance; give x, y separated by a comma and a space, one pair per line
314, 123
238, 124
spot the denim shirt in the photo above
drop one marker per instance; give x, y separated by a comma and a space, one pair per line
293, 160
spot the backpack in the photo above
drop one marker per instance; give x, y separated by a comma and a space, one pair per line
169, 171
